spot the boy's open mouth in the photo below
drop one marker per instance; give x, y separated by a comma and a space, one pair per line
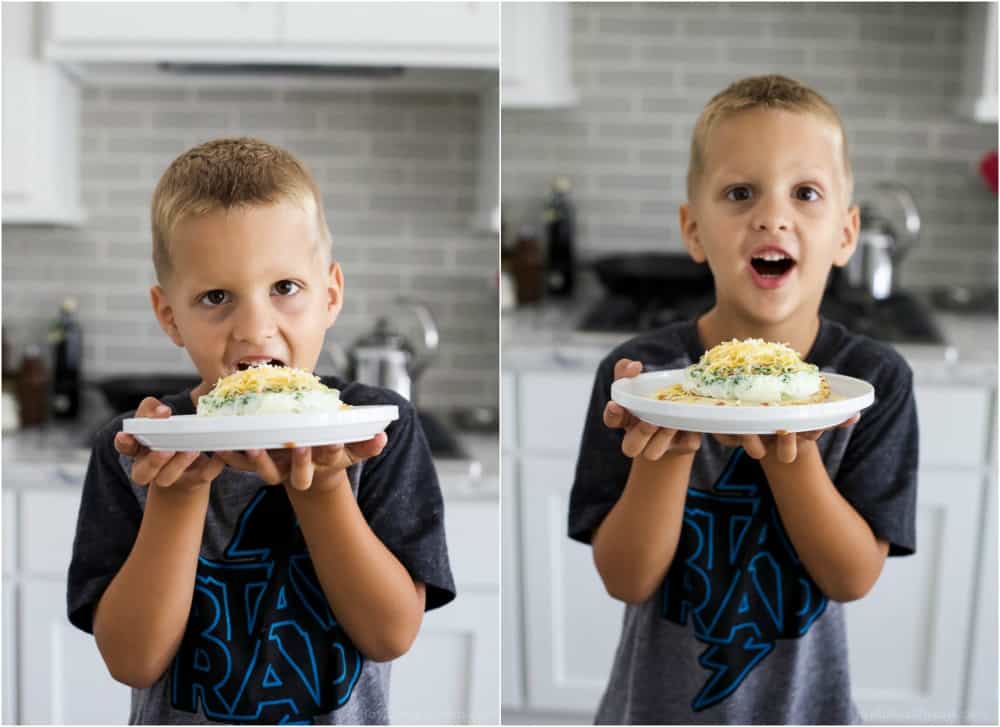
771, 264
247, 363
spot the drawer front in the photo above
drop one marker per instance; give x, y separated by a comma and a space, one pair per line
954, 425
552, 408
48, 520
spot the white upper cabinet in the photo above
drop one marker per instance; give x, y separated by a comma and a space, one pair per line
41, 111
535, 47
429, 34
438, 34
979, 79
140, 24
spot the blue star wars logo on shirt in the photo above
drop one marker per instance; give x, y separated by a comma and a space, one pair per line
262, 645
737, 578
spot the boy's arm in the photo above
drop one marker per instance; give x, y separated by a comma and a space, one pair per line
836, 545
140, 618
372, 594
635, 543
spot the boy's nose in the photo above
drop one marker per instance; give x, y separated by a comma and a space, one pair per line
253, 324
771, 217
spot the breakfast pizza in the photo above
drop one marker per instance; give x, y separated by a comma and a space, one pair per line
752, 372
267, 389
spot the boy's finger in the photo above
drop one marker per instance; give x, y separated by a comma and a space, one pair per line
236, 460
148, 466
850, 422
727, 440
151, 407
265, 466
659, 443
754, 446
174, 468
367, 449
613, 415
126, 444
636, 438
205, 468
627, 368
787, 447
302, 468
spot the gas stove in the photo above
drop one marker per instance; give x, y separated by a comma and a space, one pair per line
902, 319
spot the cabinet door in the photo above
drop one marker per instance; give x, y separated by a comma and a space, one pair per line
982, 703
162, 22
511, 690
564, 598
908, 638
535, 44
63, 679
439, 33
21, 133
10, 637
552, 408
450, 675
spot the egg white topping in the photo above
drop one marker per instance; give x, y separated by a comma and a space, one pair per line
269, 389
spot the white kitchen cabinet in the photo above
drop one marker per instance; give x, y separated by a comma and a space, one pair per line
512, 685
907, 638
63, 679
41, 157
979, 69
438, 34
450, 675
981, 704
571, 624
147, 23
551, 410
535, 48
10, 641
435, 34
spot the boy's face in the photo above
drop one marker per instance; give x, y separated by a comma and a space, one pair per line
248, 284
770, 214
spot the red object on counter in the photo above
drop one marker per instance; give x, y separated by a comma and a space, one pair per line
988, 168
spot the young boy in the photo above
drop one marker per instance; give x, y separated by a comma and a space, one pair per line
265, 586
734, 553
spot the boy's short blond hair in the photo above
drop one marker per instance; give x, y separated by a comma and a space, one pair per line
770, 92
228, 173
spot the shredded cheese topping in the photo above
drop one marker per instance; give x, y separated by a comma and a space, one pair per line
752, 354
265, 377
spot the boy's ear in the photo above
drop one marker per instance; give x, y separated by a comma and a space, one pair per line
848, 236
165, 314
689, 233
335, 293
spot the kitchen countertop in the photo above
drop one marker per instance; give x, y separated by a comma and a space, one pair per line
62, 446
544, 337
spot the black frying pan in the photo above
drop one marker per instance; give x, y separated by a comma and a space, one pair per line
648, 276
124, 393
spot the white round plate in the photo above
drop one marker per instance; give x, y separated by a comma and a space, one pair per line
635, 394
192, 433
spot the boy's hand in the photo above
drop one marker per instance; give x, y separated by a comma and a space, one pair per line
643, 438
316, 469
180, 470
785, 445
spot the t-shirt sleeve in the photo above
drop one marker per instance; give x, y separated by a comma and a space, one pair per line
878, 474
400, 498
601, 468
106, 528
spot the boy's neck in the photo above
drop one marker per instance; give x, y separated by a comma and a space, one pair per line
799, 332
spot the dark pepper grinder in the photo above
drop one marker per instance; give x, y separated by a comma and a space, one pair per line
33, 388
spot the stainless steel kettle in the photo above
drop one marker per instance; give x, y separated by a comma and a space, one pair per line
872, 270
385, 358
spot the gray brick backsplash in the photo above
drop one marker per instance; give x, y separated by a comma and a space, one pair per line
892, 69
398, 172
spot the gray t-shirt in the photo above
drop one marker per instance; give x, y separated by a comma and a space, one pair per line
739, 632
261, 644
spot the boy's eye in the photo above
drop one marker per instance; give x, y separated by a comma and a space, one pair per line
738, 194
286, 287
214, 297
806, 194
